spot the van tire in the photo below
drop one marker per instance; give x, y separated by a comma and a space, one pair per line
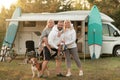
116, 51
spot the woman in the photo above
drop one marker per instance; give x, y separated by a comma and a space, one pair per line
69, 40
44, 35
46, 49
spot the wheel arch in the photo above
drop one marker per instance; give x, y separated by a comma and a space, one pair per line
114, 48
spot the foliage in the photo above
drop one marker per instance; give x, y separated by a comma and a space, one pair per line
116, 17
38, 6
65, 5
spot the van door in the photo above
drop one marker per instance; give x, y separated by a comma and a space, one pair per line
108, 39
35, 38
23, 37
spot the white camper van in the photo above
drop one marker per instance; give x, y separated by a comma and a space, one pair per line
32, 23
111, 39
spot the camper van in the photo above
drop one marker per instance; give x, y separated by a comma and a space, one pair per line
111, 39
32, 24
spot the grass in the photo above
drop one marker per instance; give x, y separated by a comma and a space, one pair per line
106, 68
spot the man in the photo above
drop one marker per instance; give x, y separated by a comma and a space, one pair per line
54, 40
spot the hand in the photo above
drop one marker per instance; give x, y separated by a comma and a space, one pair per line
63, 41
40, 49
59, 49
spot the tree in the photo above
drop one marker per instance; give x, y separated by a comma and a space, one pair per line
65, 6
3, 16
38, 6
116, 17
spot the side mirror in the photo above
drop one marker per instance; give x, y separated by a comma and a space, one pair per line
115, 33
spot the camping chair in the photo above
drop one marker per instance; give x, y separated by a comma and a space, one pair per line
30, 50
3, 53
7, 53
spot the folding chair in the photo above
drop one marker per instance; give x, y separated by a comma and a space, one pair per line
30, 49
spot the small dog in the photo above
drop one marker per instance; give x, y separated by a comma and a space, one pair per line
36, 67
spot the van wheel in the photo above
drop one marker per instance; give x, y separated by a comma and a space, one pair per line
116, 51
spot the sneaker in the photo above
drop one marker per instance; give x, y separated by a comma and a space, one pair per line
60, 75
81, 73
68, 74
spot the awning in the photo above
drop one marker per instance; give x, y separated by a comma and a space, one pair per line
68, 15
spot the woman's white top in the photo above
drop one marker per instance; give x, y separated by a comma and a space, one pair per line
70, 38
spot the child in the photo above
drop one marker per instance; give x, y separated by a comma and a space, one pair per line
45, 43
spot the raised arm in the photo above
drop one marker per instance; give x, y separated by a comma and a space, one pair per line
41, 37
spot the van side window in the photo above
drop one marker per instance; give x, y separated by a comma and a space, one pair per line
107, 30
111, 30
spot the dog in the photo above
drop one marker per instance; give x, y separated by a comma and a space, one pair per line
36, 67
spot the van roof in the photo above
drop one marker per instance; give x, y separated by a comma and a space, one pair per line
78, 15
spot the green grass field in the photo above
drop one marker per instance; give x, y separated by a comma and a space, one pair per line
107, 68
